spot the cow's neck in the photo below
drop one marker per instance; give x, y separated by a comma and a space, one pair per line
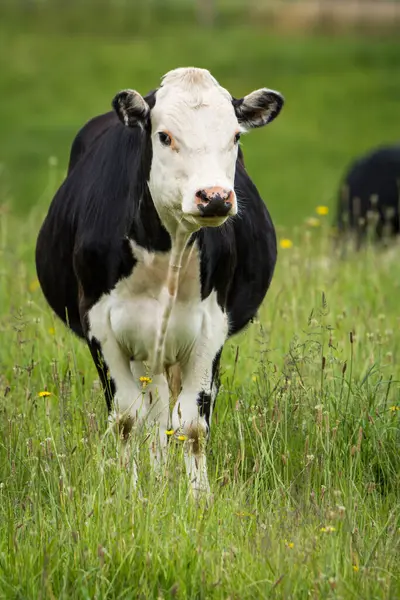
167, 234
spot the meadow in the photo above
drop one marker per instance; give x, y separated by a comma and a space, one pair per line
304, 457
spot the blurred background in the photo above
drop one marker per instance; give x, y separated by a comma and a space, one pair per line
337, 62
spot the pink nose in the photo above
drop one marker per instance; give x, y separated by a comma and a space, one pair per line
214, 201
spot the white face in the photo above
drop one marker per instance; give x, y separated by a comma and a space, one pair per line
195, 128
194, 134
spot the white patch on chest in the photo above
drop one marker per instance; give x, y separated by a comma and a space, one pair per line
135, 308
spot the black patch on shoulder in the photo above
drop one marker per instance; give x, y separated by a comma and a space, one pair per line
217, 260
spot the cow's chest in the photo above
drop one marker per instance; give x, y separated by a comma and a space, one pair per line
137, 305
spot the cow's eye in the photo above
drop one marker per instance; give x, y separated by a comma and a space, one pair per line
237, 138
164, 138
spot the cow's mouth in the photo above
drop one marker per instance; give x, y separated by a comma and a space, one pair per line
200, 221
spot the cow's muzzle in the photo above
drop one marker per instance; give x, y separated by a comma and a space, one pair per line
214, 201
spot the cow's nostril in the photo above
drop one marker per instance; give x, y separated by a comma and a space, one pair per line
202, 195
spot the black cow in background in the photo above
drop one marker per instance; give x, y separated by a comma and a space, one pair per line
369, 195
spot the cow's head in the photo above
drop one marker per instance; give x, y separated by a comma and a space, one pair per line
195, 127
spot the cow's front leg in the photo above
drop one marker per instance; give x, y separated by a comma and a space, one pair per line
138, 400
133, 393
191, 427
191, 416
156, 392
125, 400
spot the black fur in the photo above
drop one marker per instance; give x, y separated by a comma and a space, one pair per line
107, 381
374, 174
82, 249
204, 399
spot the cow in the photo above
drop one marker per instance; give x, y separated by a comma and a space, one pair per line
369, 195
157, 248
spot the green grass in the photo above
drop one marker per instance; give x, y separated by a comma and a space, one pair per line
304, 458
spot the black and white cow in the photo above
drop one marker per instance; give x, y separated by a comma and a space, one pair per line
157, 248
370, 194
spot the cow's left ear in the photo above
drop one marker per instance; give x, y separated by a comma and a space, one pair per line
131, 108
258, 108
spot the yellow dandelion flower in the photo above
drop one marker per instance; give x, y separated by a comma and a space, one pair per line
328, 529
289, 544
145, 381
169, 432
182, 438
322, 210
356, 568
394, 408
34, 285
285, 243
313, 222
51, 330
44, 394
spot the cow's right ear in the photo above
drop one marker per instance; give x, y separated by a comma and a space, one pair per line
131, 108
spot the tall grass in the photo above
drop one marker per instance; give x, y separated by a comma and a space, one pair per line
304, 453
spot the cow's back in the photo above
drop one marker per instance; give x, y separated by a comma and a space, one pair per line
88, 135
56, 239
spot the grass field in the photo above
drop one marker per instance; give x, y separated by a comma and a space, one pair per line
304, 454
